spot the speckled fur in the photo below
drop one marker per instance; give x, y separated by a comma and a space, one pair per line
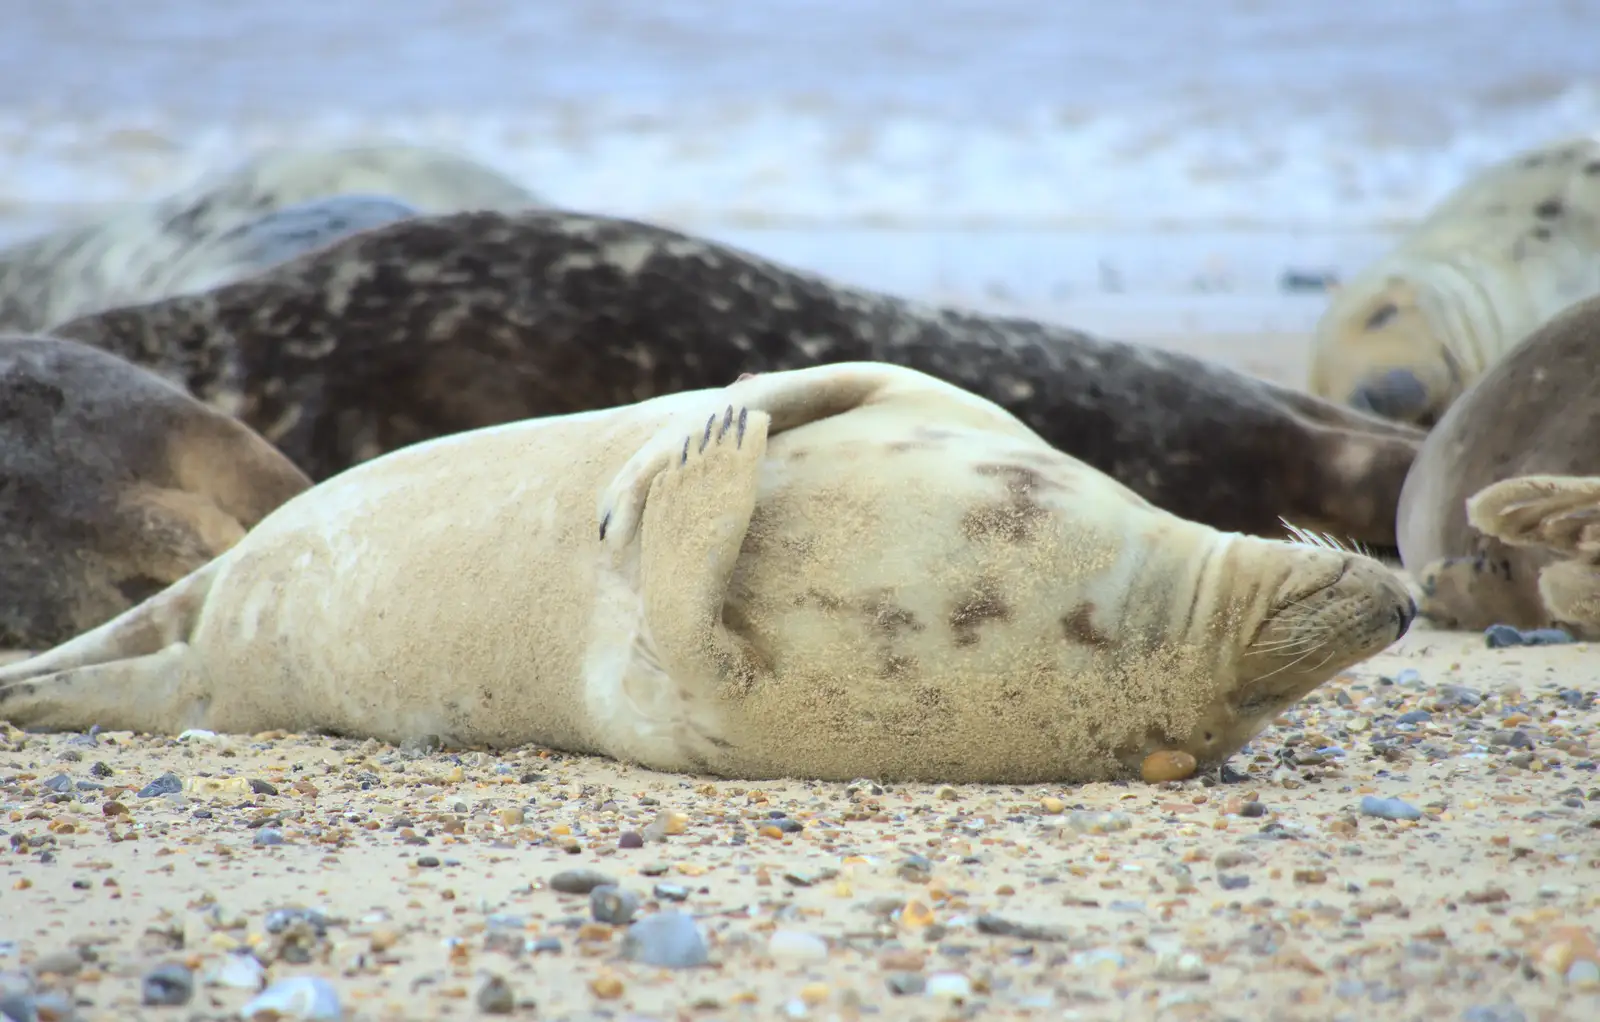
229, 226
115, 485
1492, 262
1536, 412
442, 324
759, 581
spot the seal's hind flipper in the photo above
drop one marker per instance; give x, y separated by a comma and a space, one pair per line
693, 529
1571, 594
146, 694
1558, 512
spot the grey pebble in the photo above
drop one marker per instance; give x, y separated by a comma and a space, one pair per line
997, 926
611, 904
677, 892
1389, 808
495, 997
669, 940
428, 861
166, 784
170, 985
18, 1007
1253, 809
259, 787
60, 782
59, 963
1502, 636
268, 836
1233, 881
1493, 1013
579, 881
547, 946
903, 984
1416, 717
280, 919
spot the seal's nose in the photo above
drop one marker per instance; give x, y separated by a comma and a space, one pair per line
1407, 613
1396, 394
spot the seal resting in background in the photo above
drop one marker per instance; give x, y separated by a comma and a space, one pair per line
441, 324
845, 571
224, 228
1481, 271
1532, 414
116, 484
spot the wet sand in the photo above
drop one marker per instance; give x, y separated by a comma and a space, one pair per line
422, 884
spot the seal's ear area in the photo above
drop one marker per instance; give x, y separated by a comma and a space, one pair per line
1559, 512
1571, 593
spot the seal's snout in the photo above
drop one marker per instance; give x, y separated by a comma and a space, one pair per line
1407, 613
1394, 394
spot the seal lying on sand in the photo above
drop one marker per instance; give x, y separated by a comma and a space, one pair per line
441, 324
222, 228
1530, 415
1486, 267
115, 485
845, 571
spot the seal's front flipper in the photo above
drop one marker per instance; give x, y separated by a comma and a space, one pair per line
1571, 593
1559, 512
151, 694
694, 526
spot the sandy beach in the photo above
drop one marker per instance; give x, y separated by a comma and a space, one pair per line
417, 884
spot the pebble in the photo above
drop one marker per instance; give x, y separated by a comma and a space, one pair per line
1503, 636
60, 782
797, 946
611, 904
168, 985
1086, 822
1233, 881
671, 892
903, 984
268, 836
241, 971
1168, 765
949, 985
59, 963
1389, 808
579, 881
300, 997
495, 997
668, 940
630, 839
166, 784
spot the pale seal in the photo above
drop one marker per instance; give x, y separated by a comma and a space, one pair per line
116, 484
440, 324
845, 571
229, 225
1482, 270
1532, 414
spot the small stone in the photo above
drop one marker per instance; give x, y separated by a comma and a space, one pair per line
168, 985
1584, 974
59, 963
671, 892
513, 817
669, 940
1389, 808
259, 787
630, 839
606, 986
268, 836
903, 984
495, 997
947, 793
428, 861
797, 946
547, 946
1052, 805
579, 881
1415, 717
999, 927
1168, 765
113, 808
311, 998
240, 971
60, 782
100, 768
1233, 882
950, 985
611, 904
1503, 636
166, 784
916, 869
1086, 822
1253, 809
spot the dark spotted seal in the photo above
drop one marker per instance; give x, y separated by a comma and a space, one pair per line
440, 324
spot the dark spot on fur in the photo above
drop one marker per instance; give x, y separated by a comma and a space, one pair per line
1535, 160
1549, 209
896, 666
1381, 315
929, 698
1079, 626
827, 601
1592, 168
984, 604
139, 588
1541, 233
890, 618
799, 454
902, 446
1015, 519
